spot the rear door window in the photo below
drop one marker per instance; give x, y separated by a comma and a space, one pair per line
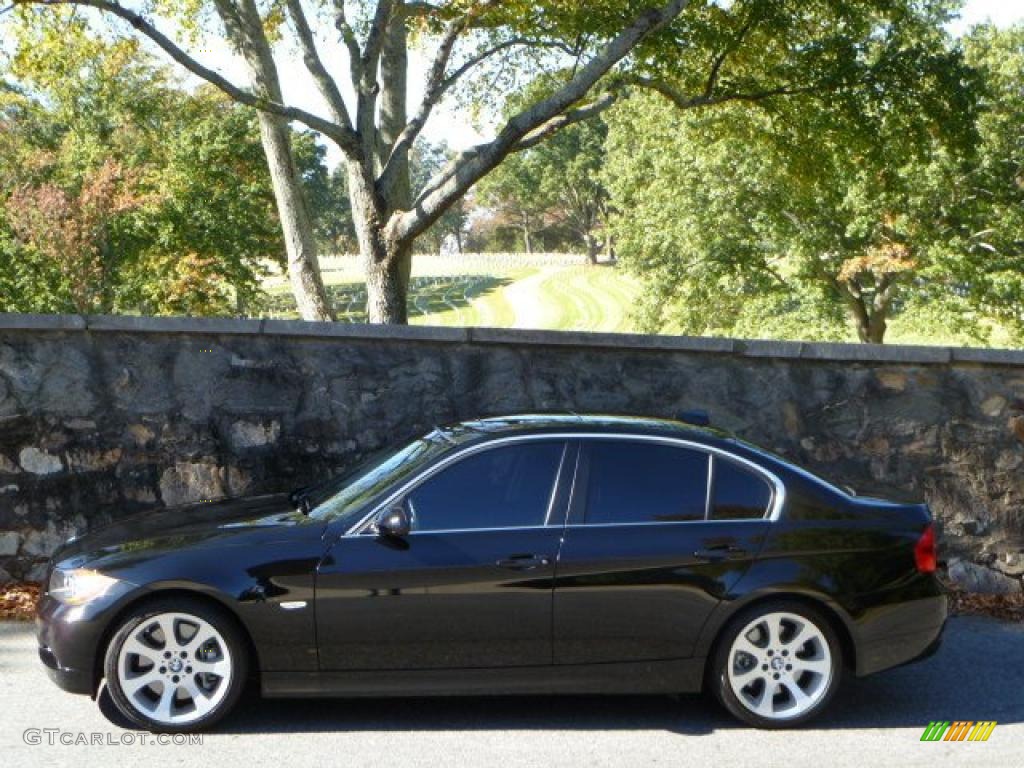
633, 481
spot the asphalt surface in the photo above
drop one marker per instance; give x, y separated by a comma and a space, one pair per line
977, 675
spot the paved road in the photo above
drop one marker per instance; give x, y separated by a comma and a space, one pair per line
978, 675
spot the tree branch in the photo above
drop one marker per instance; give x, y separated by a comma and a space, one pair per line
557, 123
326, 127
367, 87
435, 88
719, 60
432, 93
325, 83
348, 37
375, 40
472, 166
682, 101
484, 55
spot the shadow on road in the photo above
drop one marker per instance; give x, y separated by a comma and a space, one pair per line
976, 675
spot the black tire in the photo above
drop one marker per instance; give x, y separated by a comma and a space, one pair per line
719, 682
217, 618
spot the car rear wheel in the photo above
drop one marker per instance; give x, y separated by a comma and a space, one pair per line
777, 665
176, 666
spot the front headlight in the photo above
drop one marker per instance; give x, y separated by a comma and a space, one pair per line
78, 586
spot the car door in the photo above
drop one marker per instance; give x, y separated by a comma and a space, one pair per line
470, 585
658, 533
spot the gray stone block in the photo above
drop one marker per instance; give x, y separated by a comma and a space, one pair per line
1014, 357
27, 322
586, 339
770, 348
197, 325
877, 353
364, 331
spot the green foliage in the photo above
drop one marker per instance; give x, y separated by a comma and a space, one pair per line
120, 191
783, 219
995, 181
215, 221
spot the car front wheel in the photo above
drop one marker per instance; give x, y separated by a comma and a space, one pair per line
777, 665
175, 666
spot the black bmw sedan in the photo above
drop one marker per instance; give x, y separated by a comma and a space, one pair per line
518, 555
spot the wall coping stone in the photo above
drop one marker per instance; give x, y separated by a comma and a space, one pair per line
10, 321
754, 348
145, 324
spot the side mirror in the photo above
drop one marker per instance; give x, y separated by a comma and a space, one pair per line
394, 521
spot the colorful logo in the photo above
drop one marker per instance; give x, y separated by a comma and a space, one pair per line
960, 730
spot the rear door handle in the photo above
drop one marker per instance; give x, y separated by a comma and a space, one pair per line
524, 562
718, 552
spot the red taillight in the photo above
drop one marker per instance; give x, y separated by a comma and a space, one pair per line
924, 551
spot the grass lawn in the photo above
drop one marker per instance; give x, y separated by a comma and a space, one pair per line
466, 292
519, 291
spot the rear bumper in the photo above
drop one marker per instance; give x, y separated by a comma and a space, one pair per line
890, 645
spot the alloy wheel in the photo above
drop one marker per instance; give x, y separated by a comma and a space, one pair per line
174, 668
779, 665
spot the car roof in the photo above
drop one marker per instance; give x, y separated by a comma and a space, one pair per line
569, 422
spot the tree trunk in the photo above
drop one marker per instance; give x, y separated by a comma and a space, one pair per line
296, 225
244, 28
527, 243
591, 247
386, 287
873, 332
870, 325
394, 69
385, 262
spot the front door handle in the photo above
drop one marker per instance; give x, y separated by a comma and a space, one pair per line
719, 552
524, 562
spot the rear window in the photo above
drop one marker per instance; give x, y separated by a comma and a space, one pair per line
737, 492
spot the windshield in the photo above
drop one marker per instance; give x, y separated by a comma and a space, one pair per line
348, 493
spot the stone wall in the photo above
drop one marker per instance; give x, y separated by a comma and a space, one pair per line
103, 416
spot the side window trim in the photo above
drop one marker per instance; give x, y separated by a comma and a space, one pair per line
778, 489
561, 493
710, 490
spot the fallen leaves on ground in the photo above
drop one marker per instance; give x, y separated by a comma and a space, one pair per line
18, 600
1005, 607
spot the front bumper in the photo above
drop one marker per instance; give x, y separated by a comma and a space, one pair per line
70, 638
68, 679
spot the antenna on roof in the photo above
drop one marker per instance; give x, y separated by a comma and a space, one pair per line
696, 416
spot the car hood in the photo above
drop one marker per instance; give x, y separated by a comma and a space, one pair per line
222, 523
